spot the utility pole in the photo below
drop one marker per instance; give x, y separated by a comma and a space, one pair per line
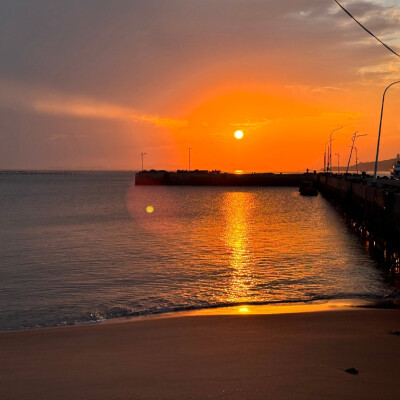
326, 157
328, 167
142, 155
356, 150
338, 164
355, 136
189, 157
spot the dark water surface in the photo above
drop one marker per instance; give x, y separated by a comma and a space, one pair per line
80, 248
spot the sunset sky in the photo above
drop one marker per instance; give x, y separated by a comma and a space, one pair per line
92, 84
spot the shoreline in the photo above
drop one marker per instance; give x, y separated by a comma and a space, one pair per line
235, 309
256, 356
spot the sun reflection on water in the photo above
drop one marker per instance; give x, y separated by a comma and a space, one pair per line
238, 207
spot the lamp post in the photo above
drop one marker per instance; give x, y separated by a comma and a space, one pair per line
326, 157
380, 128
356, 150
330, 146
189, 148
338, 165
142, 155
355, 136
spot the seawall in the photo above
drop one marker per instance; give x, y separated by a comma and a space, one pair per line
215, 178
372, 207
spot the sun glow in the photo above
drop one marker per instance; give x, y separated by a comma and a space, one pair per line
238, 134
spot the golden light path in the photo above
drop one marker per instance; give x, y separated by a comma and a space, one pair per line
236, 230
237, 208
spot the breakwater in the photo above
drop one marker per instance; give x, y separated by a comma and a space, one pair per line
373, 209
216, 178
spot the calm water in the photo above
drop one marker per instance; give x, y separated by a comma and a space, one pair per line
80, 248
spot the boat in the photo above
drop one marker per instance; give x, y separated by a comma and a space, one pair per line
395, 171
308, 189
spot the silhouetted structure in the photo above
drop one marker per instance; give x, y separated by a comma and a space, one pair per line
372, 207
216, 178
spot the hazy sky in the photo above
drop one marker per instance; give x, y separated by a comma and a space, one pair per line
92, 84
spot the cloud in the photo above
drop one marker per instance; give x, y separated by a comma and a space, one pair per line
57, 137
251, 124
143, 62
312, 89
84, 108
345, 117
45, 101
382, 72
380, 18
114, 50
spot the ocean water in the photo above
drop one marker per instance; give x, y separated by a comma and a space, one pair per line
77, 248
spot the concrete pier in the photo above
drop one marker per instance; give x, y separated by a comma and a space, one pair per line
373, 208
216, 178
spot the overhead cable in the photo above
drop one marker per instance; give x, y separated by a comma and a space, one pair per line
367, 30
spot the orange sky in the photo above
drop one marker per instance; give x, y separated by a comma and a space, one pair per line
285, 127
92, 85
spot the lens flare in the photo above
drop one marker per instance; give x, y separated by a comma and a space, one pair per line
149, 209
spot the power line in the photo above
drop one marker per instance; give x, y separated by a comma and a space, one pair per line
367, 30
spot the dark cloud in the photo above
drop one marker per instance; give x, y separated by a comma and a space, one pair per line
102, 47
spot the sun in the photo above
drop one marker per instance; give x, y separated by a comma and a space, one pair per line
238, 134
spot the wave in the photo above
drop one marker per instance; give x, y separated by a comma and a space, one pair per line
388, 300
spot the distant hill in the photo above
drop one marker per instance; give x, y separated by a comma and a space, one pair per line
384, 165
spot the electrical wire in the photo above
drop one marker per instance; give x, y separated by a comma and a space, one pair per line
367, 30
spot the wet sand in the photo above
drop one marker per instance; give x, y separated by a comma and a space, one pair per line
281, 356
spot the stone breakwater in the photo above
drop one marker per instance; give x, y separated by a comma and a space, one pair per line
216, 178
373, 209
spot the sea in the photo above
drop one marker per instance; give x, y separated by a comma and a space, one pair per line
86, 247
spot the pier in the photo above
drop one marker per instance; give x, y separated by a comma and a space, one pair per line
373, 208
217, 178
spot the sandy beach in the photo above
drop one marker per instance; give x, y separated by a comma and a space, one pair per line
278, 356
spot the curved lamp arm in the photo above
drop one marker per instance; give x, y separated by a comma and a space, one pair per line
380, 128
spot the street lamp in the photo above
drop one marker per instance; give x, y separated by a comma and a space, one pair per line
326, 157
330, 146
338, 165
355, 136
142, 154
380, 128
189, 148
356, 150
